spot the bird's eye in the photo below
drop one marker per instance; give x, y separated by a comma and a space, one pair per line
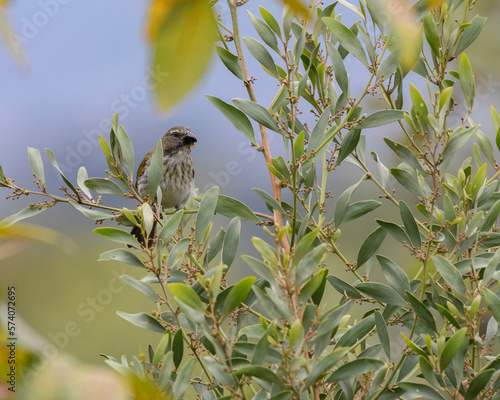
176, 134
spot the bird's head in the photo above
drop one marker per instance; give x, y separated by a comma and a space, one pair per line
178, 137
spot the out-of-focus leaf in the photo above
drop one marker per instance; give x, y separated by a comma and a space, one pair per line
388, 66
143, 320
418, 102
431, 33
235, 116
180, 55
183, 380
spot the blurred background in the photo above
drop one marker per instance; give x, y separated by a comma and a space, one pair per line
86, 61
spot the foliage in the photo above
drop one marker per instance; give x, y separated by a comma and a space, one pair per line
277, 336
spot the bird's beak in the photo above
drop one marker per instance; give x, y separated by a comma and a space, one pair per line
189, 138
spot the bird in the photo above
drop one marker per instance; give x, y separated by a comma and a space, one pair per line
178, 172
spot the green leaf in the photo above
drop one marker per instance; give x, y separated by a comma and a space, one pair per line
143, 320
231, 62
177, 252
170, 228
231, 208
348, 145
479, 383
422, 311
370, 246
206, 212
117, 235
269, 200
260, 372
444, 98
343, 287
265, 32
485, 146
347, 39
404, 154
418, 102
182, 381
428, 372
127, 149
420, 391
103, 186
431, 33
410, 224
52, 159
236, 295
309, 263
338, 67
470, 34
383, 334
325, 364
360, 208
155, 171
258, 113
450, 274
394, 230
467, 80
36, 164
491, 217
121, 255
355, 368
342, 205
493, 303
259, 268
304, 245
231, 241
92, 214
261, 54
161, 349
142, 287
357, 332
388, 66
394, 275
458, 138
178, 347
235, 116
187, 295
174, 79
270, 20
408, 181
381, 117
381, 292
318, 132
452, 347
82, 176
448, 315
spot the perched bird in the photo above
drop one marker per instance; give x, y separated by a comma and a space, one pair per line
178, 171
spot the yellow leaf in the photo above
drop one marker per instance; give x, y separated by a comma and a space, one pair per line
183, 35
407, 35
297, 6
